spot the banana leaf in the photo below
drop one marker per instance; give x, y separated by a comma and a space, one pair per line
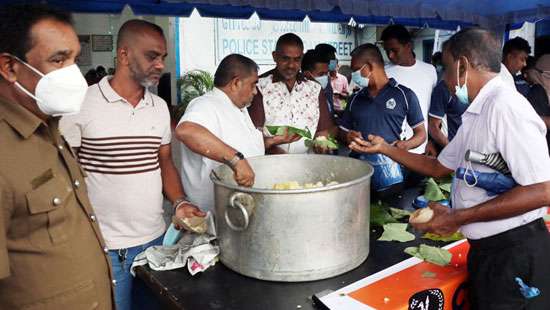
379, 215
322, 141
454, 237
430, 254
399, 213
280, 130
432, 191
396, 232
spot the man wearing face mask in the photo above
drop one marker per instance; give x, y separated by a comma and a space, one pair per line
380, 107
122, 137
509, 242
51, 249
315, 69
216, 129
286, 97
327, 53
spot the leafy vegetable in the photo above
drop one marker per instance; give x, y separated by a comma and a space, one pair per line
322, 141
430, 254
454, 237
433, 192
445, 187
280, 130
379, 214
428, 274
396, 232
399, 213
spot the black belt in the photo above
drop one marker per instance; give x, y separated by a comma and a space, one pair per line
511, 237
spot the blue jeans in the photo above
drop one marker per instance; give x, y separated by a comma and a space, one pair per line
131, 293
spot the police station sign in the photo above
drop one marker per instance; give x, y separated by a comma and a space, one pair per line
256, 38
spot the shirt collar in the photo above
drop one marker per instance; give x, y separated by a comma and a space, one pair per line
391, 83
277, 77
224, 97
19, 118
477, 104
111, 95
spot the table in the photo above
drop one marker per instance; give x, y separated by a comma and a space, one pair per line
221, 288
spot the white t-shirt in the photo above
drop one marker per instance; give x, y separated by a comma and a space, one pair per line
118, 148
499, 120
421, 78
217, 113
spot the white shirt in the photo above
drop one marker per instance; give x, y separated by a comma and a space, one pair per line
506, 76
421, 78
217, 113
118, 148
499, 120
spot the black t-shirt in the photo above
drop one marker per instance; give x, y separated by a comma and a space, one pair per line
539, 100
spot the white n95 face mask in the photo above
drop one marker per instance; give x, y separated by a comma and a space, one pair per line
60, 92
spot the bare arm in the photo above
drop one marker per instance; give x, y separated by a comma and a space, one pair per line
419, 136
171, 184
419, 163
201, 141
519, 200
434, 128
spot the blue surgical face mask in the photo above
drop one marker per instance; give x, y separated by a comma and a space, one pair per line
359, 79
461, 92
323, 80
332, 65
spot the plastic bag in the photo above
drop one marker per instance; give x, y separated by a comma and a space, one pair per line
386, 171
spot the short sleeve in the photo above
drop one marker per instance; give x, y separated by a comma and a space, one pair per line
414, 112
346, 121
71, 126
439, 101
202, 112
521, 139
452, 153
5, 211
256, 110
167, 134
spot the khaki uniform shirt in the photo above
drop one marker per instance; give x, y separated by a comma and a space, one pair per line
52, 254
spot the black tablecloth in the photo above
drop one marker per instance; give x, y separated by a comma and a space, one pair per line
220, 288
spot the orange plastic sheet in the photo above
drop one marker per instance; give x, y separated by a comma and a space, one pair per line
394, 287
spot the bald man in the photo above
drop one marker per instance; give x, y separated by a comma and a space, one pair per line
122, 137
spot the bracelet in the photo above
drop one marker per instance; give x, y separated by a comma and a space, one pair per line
178, 202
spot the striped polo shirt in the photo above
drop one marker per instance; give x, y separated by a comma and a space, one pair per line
118, 147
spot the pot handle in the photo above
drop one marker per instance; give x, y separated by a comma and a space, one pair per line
243, 202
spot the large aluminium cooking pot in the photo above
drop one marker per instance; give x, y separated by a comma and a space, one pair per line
294, 235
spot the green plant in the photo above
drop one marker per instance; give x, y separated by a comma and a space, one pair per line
192, 84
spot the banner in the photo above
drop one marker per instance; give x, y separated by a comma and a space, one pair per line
256, 38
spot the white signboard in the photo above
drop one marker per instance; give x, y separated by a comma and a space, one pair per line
204, 42
256, 38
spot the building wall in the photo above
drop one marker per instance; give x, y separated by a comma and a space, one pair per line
109, 24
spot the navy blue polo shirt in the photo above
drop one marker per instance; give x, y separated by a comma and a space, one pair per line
521, 85
444, 103
384, 114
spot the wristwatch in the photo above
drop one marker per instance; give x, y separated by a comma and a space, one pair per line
233, 161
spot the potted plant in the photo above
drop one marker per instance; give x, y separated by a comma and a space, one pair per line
192, 84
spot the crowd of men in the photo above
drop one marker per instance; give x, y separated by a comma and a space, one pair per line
84, 170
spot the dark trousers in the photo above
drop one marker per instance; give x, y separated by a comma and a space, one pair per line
494, 262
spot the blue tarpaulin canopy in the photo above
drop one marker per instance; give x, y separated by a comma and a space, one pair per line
442, 14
